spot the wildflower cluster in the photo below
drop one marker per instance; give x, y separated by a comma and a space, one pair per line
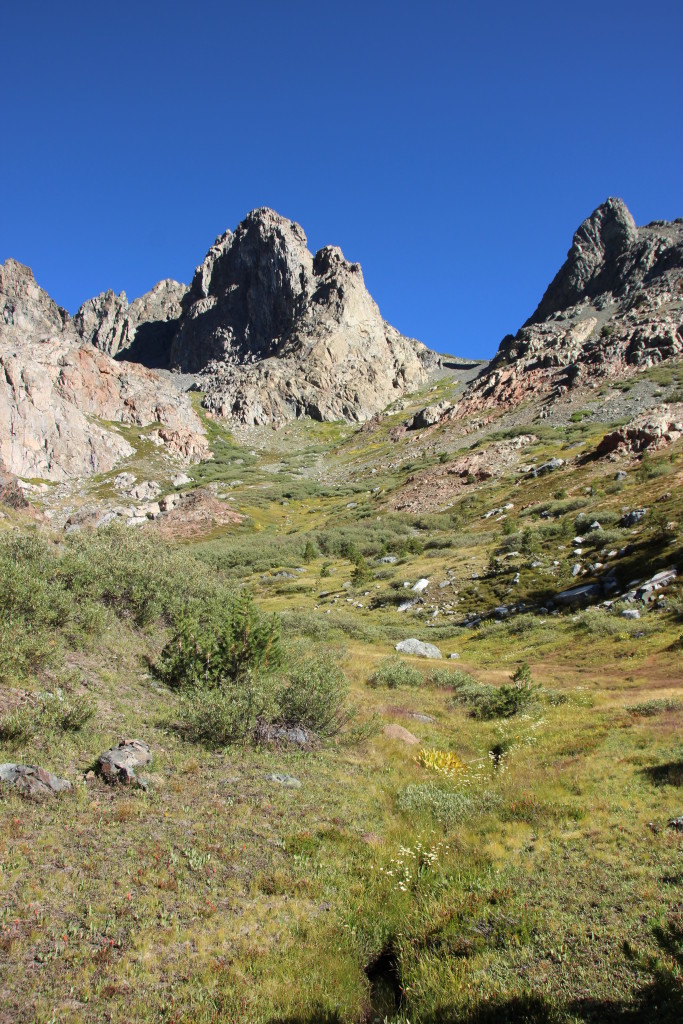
411, 863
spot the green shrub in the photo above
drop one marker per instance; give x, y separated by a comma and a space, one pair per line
222, 651
50, 713
393, 672
219, 717
310, 552
486, 702
313, 693
657, 706
453, 678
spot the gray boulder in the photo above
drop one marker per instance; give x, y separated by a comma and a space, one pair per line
631, 518
31, 781
121, 762
282, 779
418, 648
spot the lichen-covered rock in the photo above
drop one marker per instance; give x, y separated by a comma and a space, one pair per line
32, 781
121, 762
418, 648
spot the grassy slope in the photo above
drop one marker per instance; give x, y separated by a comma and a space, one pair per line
544, 889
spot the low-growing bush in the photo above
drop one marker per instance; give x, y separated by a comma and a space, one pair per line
656, 706
393, 672
453, 678
313, 692
216, 653
46, 713
219, 717
486, 702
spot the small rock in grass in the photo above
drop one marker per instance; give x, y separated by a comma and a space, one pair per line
119, 763
32, 781
630, 613
288, 781
631, 518
397, 732
453, 655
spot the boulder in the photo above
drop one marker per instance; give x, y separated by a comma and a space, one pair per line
397, 732
579, 595
547, 467
418, 648
121, 762
429, 416
31, 781
631, 518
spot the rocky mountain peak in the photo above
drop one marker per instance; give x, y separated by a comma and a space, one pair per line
592, 261
617, 302
56, 389
24, 305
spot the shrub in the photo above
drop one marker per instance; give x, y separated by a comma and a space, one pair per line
657, 706
50, 712
313, 693
443, 761
221, 651
393, 672
486, 702
218, 717
454, 678
310, 552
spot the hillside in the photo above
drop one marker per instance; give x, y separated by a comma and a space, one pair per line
333, 827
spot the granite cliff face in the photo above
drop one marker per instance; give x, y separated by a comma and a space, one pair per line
56, 389
276, 332
616, 303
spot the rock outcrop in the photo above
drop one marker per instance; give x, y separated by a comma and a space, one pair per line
655, 429
56, 391
280, 333
615, 304
141, 331
275, 331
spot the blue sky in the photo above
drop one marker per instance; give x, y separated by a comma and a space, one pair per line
452, 149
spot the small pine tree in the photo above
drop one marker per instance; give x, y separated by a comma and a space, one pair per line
310, 552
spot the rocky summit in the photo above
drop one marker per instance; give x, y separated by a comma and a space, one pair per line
616, 303
275, 332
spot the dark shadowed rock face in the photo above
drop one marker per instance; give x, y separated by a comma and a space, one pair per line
140, 331
617, 302
280, 333
247, 294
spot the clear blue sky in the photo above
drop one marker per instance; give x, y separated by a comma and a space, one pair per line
451, 148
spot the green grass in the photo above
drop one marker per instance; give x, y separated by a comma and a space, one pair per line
540, 884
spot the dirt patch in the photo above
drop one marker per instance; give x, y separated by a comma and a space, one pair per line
199, 513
